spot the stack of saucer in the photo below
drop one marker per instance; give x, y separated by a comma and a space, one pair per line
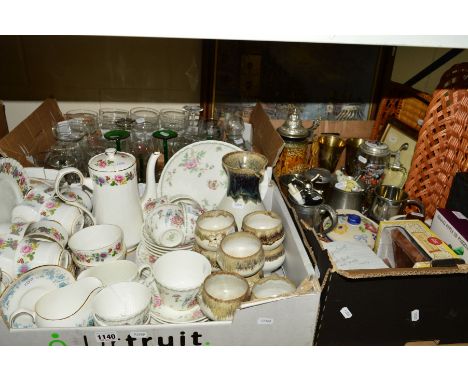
148, 251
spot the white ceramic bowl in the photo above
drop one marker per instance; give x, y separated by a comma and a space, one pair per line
272, 286
96, 244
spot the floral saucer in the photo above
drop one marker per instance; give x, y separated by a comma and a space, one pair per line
197, 171
14, 185
165, 315
43, 278
145, 257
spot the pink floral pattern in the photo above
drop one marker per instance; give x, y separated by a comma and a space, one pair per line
35, 197
102, 163
100, 256
13, 168
50, 207
116, 180
8, 243
27, 251
52, 232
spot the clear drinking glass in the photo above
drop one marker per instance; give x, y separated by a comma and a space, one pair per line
88, 118
234, 127
146, 115
142, 145
172, 119
109, 116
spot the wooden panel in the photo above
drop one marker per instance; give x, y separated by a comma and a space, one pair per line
86, 68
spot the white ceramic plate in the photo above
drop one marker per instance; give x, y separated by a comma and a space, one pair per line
197, 171
163, 314
19, 293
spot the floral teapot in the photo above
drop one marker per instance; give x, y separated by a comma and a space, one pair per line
115, 191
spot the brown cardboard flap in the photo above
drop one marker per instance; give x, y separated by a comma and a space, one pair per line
265, 138
34, 133
3, 121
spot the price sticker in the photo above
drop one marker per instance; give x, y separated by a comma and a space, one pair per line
238, 205
346, 312
238, 141
106, 336
415, 315
265, 321
362, 159
139, 334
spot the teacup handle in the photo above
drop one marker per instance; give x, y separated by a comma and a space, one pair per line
326, 208
66, 257
71, 202
141, 271
20, 312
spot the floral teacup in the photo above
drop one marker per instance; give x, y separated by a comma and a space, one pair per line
16, 229
8, 245
48, 230
96, 244
166, 226
32, 253
31, 211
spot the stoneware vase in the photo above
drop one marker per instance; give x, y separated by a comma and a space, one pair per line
245, 171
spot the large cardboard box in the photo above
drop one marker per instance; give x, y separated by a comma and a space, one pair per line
33, 135
390, 306
282, 321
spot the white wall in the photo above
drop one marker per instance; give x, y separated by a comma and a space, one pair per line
16, 111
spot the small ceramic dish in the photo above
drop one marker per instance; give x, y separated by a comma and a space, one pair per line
267, 226
272, 286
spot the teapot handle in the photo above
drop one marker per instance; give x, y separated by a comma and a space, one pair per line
67, 200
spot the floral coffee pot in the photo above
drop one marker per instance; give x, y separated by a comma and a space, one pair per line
115, 191
245, 170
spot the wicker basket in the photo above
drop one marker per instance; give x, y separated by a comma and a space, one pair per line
442, 149
402, 103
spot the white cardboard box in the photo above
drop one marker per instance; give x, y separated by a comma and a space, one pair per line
283, 321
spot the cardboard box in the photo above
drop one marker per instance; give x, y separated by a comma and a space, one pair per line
388, 306
282, 321
33, 135
268, 141
452, 227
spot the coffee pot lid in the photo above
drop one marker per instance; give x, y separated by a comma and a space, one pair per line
111, 160
292, 128
375, 148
